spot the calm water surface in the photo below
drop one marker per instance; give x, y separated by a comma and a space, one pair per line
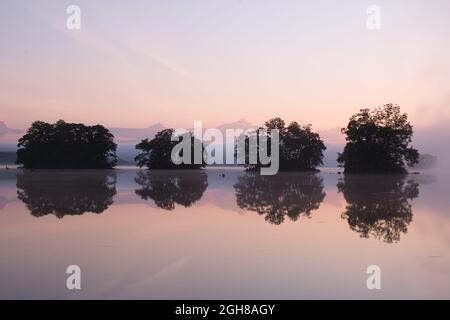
223, 233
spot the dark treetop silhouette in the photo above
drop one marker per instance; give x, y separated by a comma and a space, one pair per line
378, 206
156, 153
285, 194
301, 149
66, 146
378, 142
167, 188
66, 193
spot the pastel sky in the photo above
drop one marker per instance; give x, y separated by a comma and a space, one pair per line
136, 63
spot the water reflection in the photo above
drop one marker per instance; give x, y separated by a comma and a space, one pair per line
285, 194
378, 206
375, 207
167, 188
64, 193
3, 202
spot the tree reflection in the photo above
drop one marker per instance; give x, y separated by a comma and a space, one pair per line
379, 205
275, 197
64, 193
167, 188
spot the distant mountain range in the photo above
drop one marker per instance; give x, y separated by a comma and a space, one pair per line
133, 135
126, 138
428, 140
4, 129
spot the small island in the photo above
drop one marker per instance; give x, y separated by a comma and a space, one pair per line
65, 145
378, 141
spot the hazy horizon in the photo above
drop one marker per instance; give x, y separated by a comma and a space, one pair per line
172, 63
426, 139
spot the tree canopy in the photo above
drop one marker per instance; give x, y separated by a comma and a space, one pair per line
301, 149
66, 146
378, 142
157, 153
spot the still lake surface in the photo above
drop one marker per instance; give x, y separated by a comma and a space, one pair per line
222, 233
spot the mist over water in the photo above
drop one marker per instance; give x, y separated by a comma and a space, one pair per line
223, 233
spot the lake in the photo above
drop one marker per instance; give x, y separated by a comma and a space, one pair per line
223, 233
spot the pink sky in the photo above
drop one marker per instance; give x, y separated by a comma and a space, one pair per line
134, 65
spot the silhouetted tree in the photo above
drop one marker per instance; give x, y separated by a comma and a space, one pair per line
156, 153
66, 193
66, 146
378, 142
171, 187
301, 149
378, 206
276, 197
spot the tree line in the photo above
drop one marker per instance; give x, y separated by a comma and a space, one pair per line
378, 141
